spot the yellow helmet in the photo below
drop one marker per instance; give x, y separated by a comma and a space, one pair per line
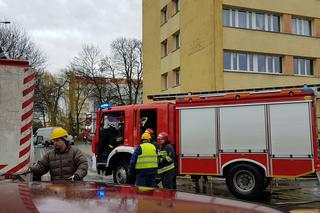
145, 136
58, 133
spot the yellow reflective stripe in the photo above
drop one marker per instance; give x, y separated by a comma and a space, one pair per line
169, 159
162, 153
146, 165
147, 162
165, 169
147, 156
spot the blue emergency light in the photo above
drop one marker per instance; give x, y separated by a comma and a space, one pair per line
105, 106
101, 193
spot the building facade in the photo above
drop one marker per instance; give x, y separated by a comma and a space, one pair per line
205, 45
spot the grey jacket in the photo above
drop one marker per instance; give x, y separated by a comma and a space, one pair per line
62, 165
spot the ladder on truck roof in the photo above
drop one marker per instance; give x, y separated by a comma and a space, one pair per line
174, 96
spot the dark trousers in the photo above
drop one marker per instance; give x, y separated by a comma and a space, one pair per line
169, 179
148, 180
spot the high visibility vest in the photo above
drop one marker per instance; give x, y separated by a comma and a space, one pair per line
148, 158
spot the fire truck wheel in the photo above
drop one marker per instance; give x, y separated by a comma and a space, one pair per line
120, 173
245, 181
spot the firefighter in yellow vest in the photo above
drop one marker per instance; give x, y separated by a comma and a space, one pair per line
166, 168
145, 162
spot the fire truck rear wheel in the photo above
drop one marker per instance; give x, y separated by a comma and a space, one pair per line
120, 173
245, 181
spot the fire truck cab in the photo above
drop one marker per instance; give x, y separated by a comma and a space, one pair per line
119, 130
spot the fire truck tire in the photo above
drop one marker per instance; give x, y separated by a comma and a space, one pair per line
245, 181
120, 173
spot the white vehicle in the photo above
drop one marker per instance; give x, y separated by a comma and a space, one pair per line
42, 136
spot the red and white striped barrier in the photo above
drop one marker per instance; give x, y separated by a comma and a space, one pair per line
17, 85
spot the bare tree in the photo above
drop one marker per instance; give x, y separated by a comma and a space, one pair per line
125, 69
87, 65
52, 91
17, 45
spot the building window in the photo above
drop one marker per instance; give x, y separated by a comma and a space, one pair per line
301, 26
176, 6
303, 66
248, 62
164, 15
260, 21
227, 60
176, 38
251, 20
177, 76
164, 81
164, 48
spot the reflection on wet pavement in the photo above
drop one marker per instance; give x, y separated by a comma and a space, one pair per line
284, 194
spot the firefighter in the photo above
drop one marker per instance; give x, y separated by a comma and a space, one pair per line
145, 162
153, 140
64, 162
108, 142
166, 168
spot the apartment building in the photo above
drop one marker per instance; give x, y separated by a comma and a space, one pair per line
207, 45
202, 45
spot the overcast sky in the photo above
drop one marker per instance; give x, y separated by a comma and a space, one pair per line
60, 27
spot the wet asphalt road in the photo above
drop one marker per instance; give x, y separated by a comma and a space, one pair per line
287, 195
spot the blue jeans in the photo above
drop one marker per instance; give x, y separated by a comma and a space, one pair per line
148, 180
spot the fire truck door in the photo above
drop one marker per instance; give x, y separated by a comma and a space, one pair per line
145, 118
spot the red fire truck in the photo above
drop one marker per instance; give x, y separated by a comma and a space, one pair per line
246, 136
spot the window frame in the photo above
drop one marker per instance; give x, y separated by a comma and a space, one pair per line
176, 37
164, 81
251, 20
176, 6
164, 15
177, 73
272, 64
164, 48
298, 26
300, 66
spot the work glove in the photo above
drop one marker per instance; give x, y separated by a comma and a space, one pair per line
74, 177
